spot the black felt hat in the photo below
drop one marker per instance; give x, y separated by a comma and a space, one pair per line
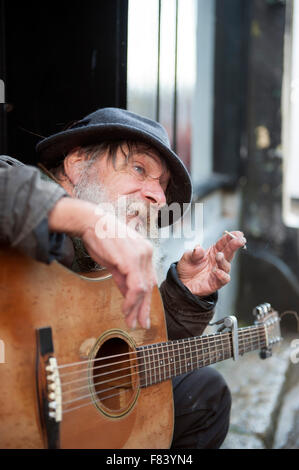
114, 124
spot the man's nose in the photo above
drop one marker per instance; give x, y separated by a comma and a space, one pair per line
153, 193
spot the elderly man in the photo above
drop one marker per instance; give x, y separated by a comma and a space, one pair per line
108, 155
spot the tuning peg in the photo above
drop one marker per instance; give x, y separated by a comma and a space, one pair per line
261, 310
258, 312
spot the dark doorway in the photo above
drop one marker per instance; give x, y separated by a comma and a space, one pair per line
60, 61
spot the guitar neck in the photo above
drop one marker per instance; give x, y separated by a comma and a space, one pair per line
162, 361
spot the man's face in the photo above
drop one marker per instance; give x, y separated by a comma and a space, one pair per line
140, 183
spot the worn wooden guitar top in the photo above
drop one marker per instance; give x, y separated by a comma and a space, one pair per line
105, 403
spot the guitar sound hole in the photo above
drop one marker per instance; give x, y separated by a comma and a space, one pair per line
115, 376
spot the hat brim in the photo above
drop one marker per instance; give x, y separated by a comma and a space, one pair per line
54, 149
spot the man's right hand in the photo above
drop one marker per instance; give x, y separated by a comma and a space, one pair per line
127, 256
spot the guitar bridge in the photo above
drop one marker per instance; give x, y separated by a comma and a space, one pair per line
54, 390
48, 389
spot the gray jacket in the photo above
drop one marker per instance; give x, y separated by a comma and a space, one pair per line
26, 198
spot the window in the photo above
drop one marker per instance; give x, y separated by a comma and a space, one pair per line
290, 132
186, 69
162, 66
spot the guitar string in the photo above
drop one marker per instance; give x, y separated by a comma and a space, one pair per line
205, 340
216, 344
204, 337
127, 383
182, 361
155, 353
152, 361
116, 394
155, 345
158, 350
141, 350
104, 398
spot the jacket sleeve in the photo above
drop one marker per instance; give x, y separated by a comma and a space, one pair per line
25, 201
186, 314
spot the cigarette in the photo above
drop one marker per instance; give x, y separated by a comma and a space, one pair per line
234, 236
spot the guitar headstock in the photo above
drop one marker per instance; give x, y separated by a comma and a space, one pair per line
269, 319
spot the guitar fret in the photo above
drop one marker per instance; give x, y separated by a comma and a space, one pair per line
158, 368
141, 365
191, 355
218, 346
185, 356
153, 365
162, 361
145, 365
182, 356
205, 351
169, 362
244, 339
165, 361
221, 344
259, 341
248, 334
178, 357
172, 360
209, 359
228, 350
246, 343
148, 366
215, 344
251, 340
202, 352
255, 341
196, 352
164, 352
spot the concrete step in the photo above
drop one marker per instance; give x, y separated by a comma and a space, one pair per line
265, 410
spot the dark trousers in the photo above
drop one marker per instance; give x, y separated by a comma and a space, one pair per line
202, 403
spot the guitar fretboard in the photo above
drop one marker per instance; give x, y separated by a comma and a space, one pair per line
162, 361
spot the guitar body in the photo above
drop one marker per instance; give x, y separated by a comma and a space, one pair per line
84, 314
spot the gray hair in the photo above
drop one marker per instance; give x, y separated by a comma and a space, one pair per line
91, 153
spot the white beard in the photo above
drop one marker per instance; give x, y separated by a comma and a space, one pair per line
146, 224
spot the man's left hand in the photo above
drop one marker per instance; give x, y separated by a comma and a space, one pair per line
205, 271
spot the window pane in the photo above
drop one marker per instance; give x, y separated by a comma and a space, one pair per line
143, 23
291, 123
167, 65
186, 76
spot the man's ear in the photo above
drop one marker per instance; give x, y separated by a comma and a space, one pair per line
73, 165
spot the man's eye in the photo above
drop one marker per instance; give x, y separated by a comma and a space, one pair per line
139, 169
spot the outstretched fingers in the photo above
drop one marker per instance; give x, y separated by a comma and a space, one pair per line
197, 254
222, 263
222, 278
229, 245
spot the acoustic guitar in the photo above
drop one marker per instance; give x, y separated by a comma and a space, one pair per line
72, 375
